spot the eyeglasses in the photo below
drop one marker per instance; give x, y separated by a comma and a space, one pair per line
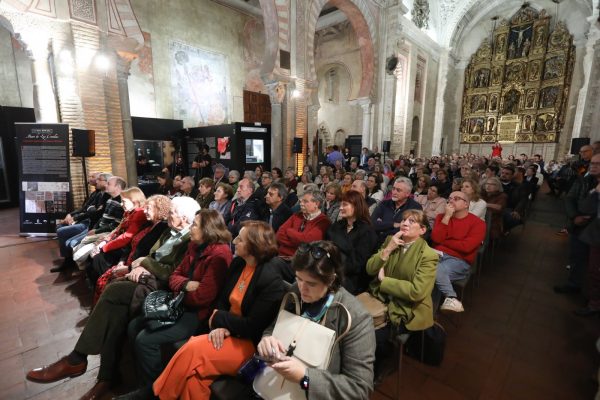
317, 252
454, 198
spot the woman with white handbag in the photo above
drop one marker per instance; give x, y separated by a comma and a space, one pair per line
305, 360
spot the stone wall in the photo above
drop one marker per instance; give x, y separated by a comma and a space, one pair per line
15, 73
201, 24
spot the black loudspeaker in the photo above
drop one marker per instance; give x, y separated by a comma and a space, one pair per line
297, 145
578, 143
84, 143
386, 146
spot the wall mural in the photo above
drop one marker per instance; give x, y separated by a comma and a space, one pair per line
199, 85
517, 87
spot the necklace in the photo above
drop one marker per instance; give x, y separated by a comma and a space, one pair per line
245, 274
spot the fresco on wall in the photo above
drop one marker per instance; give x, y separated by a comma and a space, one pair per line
254, 52
141, 82
199, 85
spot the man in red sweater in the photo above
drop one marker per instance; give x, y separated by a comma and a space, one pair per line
306, 226
457, 235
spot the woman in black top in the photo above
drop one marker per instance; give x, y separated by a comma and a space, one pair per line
356, 239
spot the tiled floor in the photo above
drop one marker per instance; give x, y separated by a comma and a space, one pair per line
516, 340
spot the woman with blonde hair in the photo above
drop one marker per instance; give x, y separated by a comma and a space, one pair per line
477, 205
248, 303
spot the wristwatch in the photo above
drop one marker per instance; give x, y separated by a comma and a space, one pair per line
304, 384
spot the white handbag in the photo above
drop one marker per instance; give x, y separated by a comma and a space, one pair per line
312, 344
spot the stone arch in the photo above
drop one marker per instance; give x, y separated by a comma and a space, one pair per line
345, 70
339, 137
364, 26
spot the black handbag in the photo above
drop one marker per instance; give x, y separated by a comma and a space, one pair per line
162, 308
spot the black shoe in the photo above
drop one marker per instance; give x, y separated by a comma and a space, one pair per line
586, 312
144, 393
566, 289
66, 264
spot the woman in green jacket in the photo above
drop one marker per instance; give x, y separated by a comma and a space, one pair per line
405, 268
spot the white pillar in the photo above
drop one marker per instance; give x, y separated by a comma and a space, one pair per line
442, 80
276, 95
44, 98
366, 105
123, 64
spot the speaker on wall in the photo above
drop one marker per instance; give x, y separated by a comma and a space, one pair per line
84, 142
297, 145
386, 146
578, 143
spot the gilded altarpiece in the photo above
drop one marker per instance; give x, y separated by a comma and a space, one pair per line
516, 89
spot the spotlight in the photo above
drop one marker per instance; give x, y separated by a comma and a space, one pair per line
102, 62
296, 93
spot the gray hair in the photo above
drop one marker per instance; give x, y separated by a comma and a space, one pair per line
405, 181
360, 171
281, 189
497, 181
188, 179
104, 175
185, 207
311, 187
250, 175
317, 196
221, 167
235, 173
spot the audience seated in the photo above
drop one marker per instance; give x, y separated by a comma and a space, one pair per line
456, 235
331, 203
309, 225
244, 207
516, 201
233, 179
355, 238
405, 269
208, 257
319, 275
205, 192
360, 186
477, 205
387, 215
422, 185
188, 187
432, 204
222, 202
496, 203
279, 212
374, 190
247, 304
107, 323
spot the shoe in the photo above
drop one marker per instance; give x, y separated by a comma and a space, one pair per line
100, 389
144, 393
66, 264
57, 371
566, 289
586, 312
562, 232
452, 304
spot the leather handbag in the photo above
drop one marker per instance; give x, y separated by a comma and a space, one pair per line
377, 308
309, 342
162, 309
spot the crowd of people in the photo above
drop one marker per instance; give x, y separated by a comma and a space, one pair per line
402, 230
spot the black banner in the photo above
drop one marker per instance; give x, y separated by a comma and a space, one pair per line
44, 187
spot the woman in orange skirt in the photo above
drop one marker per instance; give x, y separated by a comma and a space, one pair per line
249, 303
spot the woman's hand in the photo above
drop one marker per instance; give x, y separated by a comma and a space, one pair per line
136, 263
270, 348
217, 337
290, 368
395, 242
191, 286
135, 274
120, 270
381, 274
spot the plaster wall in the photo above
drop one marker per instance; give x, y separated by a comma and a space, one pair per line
427, 117
15, 73
198, 23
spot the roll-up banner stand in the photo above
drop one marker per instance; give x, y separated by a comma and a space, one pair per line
43, 151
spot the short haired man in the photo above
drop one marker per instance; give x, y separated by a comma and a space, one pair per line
219, 174
387, 215
335, 155
361, 187
456, 236
188, 187
202, 163
244, 207
309, 225
279, 212
516, 198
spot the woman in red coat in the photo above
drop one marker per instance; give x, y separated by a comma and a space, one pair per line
497, 150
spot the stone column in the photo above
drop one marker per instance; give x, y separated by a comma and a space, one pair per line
44, 98
366, 105
442, 80
276, 94
123, 64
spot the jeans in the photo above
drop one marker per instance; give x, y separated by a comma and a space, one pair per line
66, 232
75, 240
450, 269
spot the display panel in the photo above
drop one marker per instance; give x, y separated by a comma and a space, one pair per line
255, 151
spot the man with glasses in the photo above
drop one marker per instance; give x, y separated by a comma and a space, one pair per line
387, 215
307, 226
244, 207
456, 236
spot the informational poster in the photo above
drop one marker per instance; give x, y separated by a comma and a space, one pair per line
43, 151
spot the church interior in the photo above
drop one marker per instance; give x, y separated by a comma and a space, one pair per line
409, 79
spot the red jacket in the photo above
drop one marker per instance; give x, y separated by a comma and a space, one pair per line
289, 236
132, 223
461, 238
210, 271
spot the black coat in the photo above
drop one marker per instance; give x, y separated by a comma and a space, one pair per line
247, 211
280, 215
261, 300
356, 247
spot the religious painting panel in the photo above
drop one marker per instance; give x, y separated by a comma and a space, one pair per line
544, 122
496, 75
527, 123
494, 102
478, 103
530, 99
554, 67
519, 41
501, 44
476, 126
481, 78
534, 70
515, 72
491, 125
549, 96
511, 102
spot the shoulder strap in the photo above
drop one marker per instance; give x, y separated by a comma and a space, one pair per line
348, 325
294, 298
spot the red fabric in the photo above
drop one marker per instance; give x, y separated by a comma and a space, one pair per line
210, 271
289, 236
132, 223
106, 278
496, 151
460, 238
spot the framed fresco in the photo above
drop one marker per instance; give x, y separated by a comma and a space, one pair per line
199, 85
